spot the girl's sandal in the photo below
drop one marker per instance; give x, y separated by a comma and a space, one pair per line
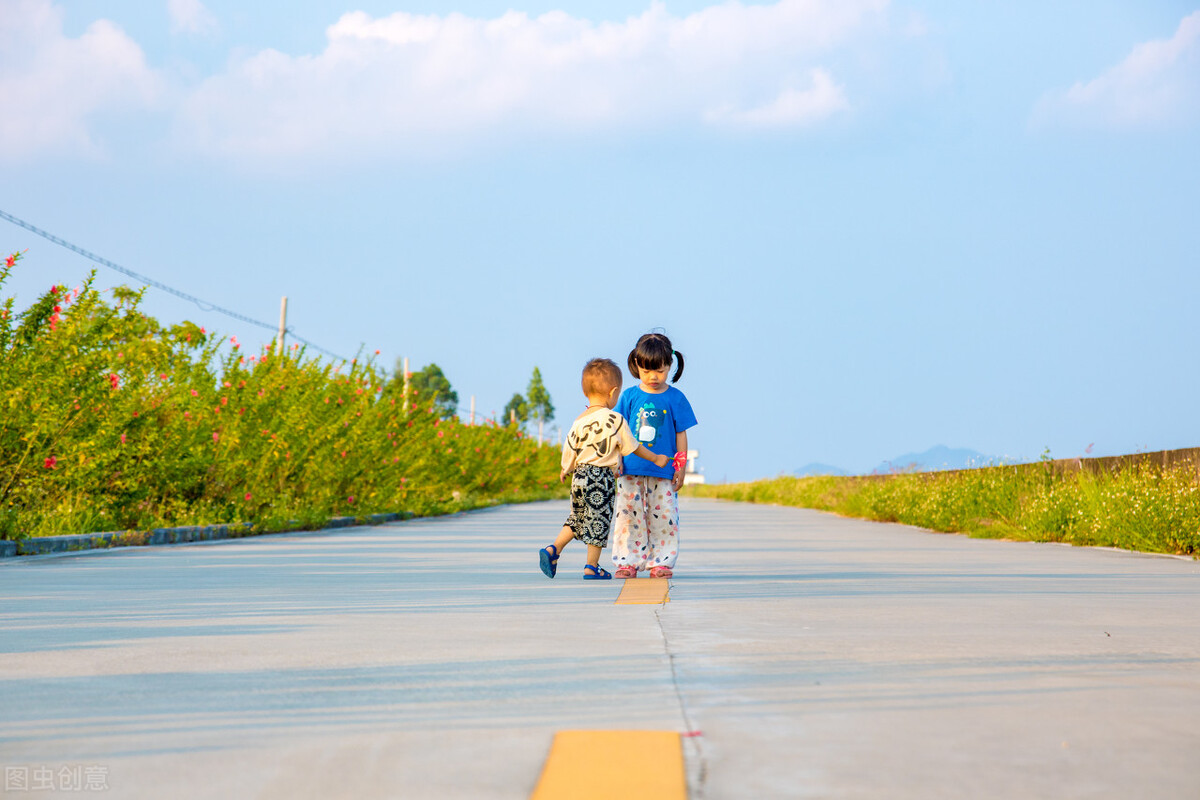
598, 573
626, 572
660, 572
548, 560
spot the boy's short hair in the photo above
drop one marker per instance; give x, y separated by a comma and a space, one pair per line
600, 375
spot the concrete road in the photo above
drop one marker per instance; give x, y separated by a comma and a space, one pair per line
817, 657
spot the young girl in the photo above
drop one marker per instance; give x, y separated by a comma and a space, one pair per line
646, 529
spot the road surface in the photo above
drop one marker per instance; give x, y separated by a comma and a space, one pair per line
800, 655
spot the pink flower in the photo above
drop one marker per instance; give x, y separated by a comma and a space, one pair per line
441, 434
195, 393
216, 436
11, 260
50, 462
350, 498
162, 377
203, 331
122, 438
247, 497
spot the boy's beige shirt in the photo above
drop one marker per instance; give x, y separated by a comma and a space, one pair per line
598, 438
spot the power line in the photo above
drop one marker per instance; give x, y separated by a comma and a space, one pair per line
201, 304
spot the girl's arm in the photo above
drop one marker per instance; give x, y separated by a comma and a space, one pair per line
680, 447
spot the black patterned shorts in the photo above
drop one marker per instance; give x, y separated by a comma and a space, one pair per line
593, 491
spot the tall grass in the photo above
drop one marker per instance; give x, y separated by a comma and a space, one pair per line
1140, 506
111, 421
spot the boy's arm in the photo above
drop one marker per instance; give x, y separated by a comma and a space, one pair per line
645, 452
569, 454
680, 447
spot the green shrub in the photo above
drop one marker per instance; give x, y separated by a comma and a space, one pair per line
110, 421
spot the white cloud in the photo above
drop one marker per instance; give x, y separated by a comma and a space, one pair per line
190, 16
1157, 84
792, 108
52, 85
412, 81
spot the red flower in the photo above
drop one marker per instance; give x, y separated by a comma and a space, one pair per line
441, 434
122, 438
195, 393
247, 497
11, 260
53, 290
350, 498
114, 380
50, 462
216, 436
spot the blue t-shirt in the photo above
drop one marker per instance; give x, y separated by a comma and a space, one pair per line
654, 420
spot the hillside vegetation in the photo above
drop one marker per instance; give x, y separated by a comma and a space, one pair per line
1135, 503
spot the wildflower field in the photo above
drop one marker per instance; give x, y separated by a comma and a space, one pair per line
110, 421
1138, 505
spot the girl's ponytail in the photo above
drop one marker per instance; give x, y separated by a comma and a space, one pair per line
679, 369
633, 366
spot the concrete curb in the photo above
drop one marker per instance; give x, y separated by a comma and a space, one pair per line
164, 536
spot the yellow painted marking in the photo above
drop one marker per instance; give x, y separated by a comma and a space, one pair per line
646, 591
581, 766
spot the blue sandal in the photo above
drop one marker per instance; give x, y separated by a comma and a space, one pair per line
598, 573
548, 558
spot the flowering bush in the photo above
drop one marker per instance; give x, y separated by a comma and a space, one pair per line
111, 421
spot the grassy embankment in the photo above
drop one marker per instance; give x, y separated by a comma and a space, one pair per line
110, 421
1138, 504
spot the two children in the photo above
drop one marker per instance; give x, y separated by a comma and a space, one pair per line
594, 446
646, 531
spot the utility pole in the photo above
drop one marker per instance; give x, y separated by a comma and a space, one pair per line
282, 326
405, 393
472, 409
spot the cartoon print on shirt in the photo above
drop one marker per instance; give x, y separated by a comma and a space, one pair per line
599, 435
650, 422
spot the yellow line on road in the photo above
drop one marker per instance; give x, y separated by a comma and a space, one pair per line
648, 591
583, 765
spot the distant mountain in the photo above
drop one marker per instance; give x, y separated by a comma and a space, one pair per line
820, 469
935, 458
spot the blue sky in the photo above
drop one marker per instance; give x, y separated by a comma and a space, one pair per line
871, 227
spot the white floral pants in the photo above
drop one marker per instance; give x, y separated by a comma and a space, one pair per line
646, 523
